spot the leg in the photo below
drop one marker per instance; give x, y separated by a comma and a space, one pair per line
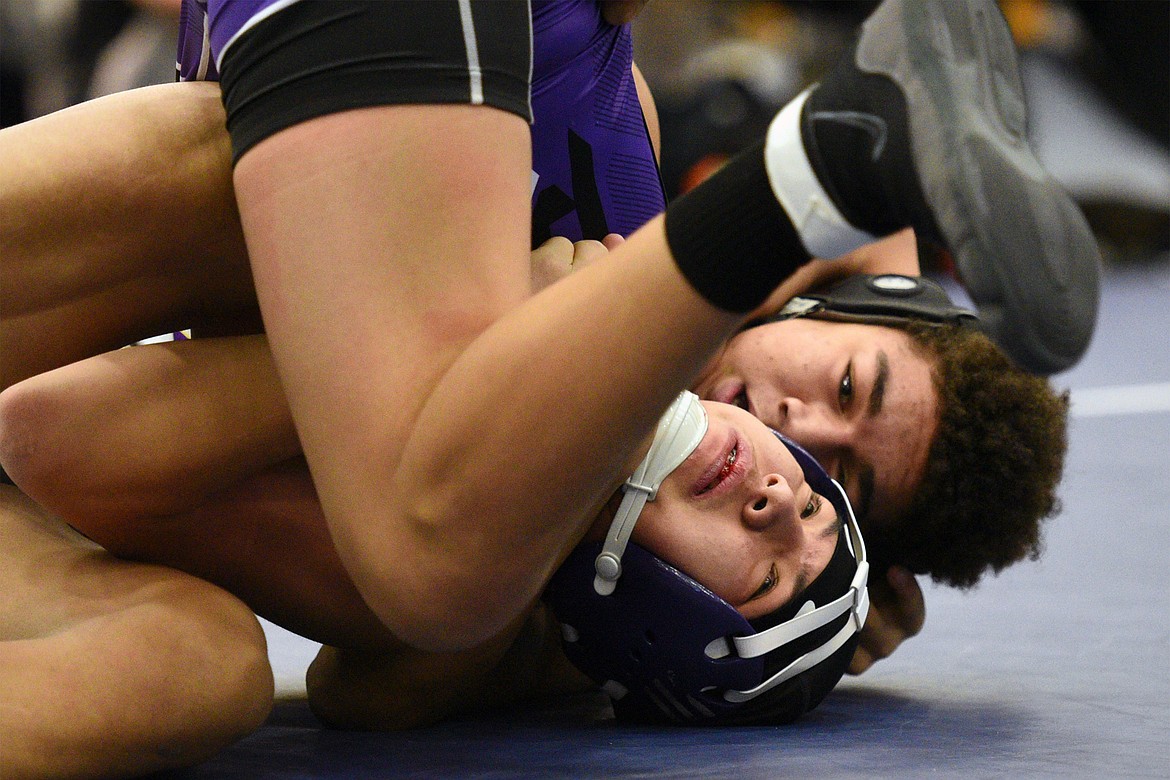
189, 459
167, 426
924, 123
147, 668
119, 214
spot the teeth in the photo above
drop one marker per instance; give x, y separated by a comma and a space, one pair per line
730, 464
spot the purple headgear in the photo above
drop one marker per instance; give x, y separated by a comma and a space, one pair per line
663, 646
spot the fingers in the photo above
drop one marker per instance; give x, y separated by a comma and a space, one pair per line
586, 252
613, 241
558, 257
550, 262
557, 249
897, 612
862, 660
910, 601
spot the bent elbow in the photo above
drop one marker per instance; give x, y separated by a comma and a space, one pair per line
432, 617
431, 598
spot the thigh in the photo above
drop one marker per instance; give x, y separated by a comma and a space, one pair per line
117, 222
136, 656
387, 233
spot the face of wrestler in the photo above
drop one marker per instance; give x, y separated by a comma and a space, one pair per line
860, 398
738, 516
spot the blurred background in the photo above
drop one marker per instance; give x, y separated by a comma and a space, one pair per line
1097, 74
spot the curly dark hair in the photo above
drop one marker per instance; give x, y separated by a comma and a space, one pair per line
992, 471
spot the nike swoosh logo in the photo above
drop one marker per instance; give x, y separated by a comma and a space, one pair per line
873, 126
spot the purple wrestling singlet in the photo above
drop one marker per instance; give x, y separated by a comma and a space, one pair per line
594, 171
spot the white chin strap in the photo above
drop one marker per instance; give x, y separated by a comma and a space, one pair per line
679, 432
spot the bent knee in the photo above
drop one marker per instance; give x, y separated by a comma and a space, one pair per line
219, 674
41, 458
236, 650
167, 673
25, 409
58, 464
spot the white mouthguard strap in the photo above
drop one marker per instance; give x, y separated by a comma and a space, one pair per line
678, 434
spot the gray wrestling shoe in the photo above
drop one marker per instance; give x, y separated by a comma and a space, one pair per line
932, 98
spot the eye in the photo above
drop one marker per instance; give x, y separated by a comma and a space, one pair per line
767, 585
812, 507
845, 389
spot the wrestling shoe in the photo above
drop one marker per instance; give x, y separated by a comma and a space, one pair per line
923, 123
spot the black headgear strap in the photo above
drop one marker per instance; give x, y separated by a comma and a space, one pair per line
875, 300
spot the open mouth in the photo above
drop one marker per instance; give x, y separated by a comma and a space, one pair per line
733, 461
723, 473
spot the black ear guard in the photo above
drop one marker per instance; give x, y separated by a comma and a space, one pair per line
874, 300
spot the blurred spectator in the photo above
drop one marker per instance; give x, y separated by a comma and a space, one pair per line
59, 52
1097, 74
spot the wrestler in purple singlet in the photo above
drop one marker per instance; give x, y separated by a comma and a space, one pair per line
593, 167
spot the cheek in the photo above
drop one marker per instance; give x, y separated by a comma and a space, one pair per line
708, 545
817, 553
672, 531
656, 528
777, 360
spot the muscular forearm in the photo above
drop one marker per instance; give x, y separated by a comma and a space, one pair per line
527, 435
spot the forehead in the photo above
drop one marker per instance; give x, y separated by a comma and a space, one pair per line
792, 350
834, 331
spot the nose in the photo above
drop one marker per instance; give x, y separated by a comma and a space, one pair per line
820, 430
773, 504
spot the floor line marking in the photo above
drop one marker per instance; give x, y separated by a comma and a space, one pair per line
1121, 399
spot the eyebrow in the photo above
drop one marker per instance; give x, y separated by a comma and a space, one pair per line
864, 491
804, 576
802, 580
878, 394
833, 528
